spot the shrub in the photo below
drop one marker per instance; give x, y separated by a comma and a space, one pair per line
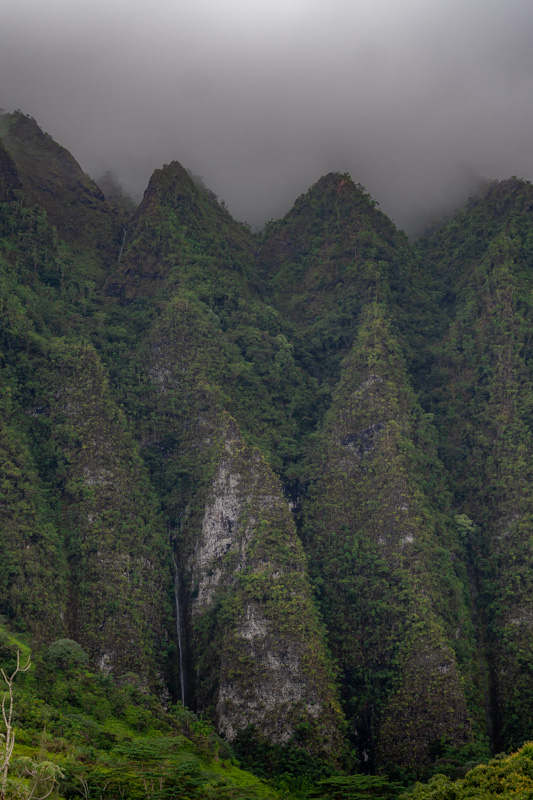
66, 653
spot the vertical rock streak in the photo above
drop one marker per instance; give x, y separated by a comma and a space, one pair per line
180, 631
124, 234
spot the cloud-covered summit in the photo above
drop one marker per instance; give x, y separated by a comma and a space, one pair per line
419, 101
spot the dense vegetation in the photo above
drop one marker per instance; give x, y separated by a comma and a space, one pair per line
284, 477
109, 738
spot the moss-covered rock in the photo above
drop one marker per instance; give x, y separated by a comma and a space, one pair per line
382, 558
482, 395
33, 591
255, 646
115, 540
50, 177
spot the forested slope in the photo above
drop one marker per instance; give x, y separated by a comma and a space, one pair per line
481, 392
283, 476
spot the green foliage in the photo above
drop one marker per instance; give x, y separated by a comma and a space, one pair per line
76, 729
504, 778
285, 764
168, 372
356, 787
481, 395
66, 653
35, 780
380, 555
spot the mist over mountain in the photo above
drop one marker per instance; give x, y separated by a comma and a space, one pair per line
418, 101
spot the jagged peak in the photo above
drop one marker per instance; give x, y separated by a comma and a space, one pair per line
335, 187
24, 137
49, 176
170, 177
335, 199
174, 185
339, 181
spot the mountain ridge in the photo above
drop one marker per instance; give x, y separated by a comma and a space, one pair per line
235, 414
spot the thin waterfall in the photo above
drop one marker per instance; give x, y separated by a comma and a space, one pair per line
124, 232
179, 627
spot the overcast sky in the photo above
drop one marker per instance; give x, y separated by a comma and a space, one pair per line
418, 99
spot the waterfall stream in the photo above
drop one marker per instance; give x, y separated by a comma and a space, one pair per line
179, 628
124, 232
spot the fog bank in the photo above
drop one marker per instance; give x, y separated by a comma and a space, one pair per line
419, 101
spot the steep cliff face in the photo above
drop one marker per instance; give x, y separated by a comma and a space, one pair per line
251, 596
382, 558
181, 236
114, 539
324, 261
159, 426
182, 247
256, 650
33, 571
483, 400
86, 548
32, 578
50, 177
83, 550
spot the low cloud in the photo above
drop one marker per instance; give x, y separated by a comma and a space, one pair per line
419, 101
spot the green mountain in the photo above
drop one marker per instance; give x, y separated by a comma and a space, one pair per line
382, 552
281, 478
481, 392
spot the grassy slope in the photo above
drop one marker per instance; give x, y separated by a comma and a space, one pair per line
116, 739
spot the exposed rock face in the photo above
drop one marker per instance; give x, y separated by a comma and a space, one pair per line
280, 693
220, 532
255, 646
248, 567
